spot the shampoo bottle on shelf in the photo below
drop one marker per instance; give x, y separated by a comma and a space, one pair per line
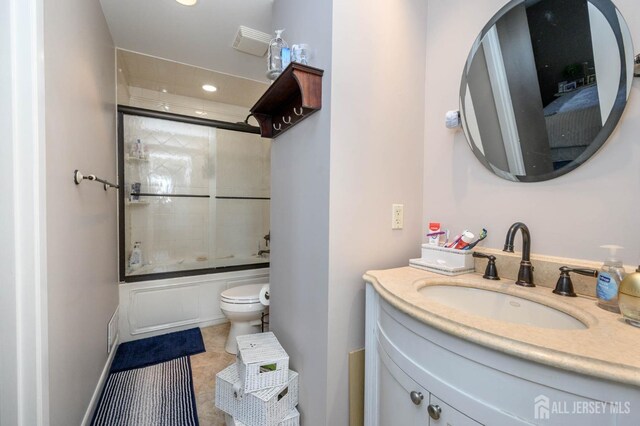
135, 260
134, 151
609, 278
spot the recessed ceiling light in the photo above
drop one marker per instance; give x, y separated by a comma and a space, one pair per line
209, 88
164, 90
201, 113
187, 2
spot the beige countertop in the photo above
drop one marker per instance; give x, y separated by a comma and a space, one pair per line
608, 348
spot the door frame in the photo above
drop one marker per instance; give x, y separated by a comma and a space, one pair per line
24, 393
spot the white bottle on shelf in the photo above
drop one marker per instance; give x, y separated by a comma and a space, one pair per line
135, 260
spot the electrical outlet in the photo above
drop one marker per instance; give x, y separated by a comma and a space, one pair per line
397, 216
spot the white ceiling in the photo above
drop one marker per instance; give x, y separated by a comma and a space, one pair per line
155, 74
199, 35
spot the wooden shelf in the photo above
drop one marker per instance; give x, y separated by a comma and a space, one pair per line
293, 96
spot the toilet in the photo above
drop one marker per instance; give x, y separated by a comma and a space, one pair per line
241, 305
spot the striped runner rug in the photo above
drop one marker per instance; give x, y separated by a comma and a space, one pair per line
159, 395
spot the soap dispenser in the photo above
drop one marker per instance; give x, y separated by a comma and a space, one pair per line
275, 64
609, 278
630, 298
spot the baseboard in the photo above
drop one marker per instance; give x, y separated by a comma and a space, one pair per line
88, 416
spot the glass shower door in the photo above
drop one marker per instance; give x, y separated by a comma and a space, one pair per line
196, 198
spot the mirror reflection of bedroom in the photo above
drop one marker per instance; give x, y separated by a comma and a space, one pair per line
564, 55
543, 87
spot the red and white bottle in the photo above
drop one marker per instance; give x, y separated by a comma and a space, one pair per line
434, 240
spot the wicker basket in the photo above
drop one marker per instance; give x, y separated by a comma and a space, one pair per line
291, 419
262, 363
267, 407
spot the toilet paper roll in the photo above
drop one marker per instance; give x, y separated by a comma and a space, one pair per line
264, 295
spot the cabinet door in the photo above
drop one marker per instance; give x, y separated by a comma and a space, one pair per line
445, 415
401, 401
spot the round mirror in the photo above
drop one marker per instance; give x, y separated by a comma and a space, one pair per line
544, 86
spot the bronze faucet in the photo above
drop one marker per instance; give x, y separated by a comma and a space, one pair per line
525, 274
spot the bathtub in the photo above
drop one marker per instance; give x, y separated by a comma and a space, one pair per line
149, 308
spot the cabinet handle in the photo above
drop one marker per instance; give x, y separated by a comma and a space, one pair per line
434, 411
416, 397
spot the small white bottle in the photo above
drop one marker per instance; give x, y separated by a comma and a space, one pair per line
135, 260
134, 152
142, 150
434, 227
609, 279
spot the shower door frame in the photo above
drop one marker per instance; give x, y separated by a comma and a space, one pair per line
142, 112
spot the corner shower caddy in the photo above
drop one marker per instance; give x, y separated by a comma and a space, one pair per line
293, 96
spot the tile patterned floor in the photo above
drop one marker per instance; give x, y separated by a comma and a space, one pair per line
205, 366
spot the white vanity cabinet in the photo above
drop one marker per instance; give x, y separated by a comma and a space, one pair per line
419, 375
404, 402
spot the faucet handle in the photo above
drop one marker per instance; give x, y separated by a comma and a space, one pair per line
491, 272
564, 286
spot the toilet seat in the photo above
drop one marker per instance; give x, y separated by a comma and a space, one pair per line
242, 295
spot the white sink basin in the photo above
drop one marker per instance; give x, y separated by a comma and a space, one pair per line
501, 307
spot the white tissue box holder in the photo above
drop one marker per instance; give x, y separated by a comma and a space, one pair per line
445, 261
262, 362
266, 407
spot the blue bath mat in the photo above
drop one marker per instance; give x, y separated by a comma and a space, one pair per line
158, 395
154, 350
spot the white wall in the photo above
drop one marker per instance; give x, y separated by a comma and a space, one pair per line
377, 142
300, 219
81, 220
569, 216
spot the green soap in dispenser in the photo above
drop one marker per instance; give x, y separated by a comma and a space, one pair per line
609, 278
630, 298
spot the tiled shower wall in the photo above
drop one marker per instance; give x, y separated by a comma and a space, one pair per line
195, 160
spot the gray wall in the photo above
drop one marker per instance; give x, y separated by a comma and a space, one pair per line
81, 220
570, 216
300, 219
334, 178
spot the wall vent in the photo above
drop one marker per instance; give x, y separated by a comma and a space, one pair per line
251, 41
